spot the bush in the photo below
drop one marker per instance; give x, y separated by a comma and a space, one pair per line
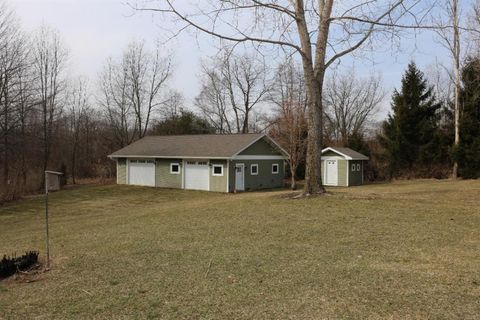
9, 266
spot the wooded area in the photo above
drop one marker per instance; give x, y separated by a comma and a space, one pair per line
51, 119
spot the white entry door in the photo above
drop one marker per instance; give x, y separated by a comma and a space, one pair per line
331, 167
240, 176
196, 175
141, 172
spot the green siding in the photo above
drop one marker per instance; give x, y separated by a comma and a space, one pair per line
342, 172
261, 148
163, 177
355, 177
121, 171
218, 183
265, 178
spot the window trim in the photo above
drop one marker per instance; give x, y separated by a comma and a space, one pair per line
359, 168
175, 164
354, 167
251, 171
217, 166
278, 168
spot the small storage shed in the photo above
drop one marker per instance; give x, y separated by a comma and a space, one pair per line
52, 180
342, 167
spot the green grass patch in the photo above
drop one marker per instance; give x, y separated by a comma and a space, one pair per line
396, 251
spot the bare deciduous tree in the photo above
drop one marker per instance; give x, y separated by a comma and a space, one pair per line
13, 63
132, 89
78, 108
26, 103
115, 102
451, 39
350, 104
174, 105
49, 61
147, 74
213, 101
319, 32
289, 122
233, 85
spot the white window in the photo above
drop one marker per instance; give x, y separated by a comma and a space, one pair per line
217, 170
174, 168
353, 167
191, 162
358, 166
254, 169
275, 168
202, 163
133, 161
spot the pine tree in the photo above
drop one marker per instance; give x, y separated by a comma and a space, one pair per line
468, 154
410, 136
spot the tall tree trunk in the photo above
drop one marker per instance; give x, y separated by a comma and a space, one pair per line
23, 149
6, 159
314, 73
74, 157
456, 54
293, 169
45, 138
6, 164
313, 179
245, 123
87, 138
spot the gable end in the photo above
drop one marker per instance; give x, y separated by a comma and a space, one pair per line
261, 148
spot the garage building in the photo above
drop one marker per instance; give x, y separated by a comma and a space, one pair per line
222, 163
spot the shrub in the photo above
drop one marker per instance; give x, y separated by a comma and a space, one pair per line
9, 266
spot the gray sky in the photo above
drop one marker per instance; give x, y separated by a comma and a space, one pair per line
96, 29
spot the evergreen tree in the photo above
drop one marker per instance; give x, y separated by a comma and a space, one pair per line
357, 142
410, 135
468, 154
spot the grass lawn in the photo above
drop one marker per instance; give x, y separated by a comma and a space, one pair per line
406, 250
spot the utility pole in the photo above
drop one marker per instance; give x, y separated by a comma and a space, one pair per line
56, 186
46, 220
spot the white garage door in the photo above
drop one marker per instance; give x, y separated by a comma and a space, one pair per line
141, 172
196, 175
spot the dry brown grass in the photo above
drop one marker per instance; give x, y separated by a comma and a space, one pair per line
407, 250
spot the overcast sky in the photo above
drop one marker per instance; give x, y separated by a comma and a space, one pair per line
96, 29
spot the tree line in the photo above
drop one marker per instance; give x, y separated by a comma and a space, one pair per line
51, 119
320, 34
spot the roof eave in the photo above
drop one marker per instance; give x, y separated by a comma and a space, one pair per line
347, 157
114, 156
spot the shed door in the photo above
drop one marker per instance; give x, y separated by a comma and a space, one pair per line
331, 172
196, 175
141, 172
240, 177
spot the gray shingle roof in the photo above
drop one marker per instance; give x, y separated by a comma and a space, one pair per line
351, 154
189, 146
